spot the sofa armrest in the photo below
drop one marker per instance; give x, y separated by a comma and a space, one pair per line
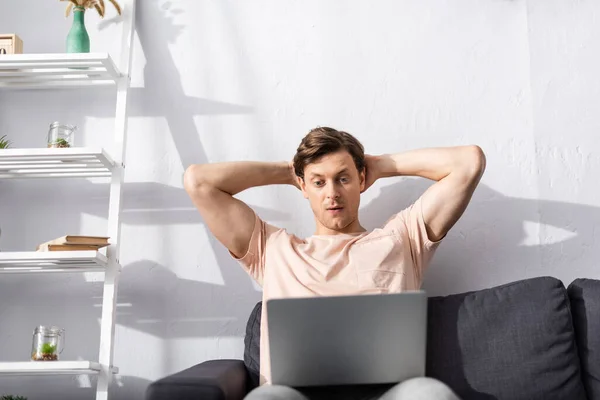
210, 380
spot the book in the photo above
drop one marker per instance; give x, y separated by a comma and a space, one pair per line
68, 241
74, 239
66, 247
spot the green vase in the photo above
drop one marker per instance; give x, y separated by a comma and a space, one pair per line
78, 40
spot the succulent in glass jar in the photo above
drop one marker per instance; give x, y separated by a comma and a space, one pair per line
61, 135
48, 343
60, 143
46, 353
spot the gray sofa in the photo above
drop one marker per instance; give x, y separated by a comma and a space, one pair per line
526, 340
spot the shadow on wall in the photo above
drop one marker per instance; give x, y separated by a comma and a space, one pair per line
500, 238
163, 94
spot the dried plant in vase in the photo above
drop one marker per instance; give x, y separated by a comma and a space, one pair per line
78, 40
4, 144
99, 5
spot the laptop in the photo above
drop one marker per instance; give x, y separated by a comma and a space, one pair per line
347, 340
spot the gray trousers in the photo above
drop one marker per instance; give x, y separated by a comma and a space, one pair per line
412, 389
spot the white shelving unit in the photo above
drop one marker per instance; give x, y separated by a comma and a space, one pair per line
50, 71
54, 368
53, 71
55, 261
55, 163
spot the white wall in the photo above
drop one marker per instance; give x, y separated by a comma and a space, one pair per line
220, 80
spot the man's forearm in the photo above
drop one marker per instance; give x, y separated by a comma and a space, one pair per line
234, 177
432, 163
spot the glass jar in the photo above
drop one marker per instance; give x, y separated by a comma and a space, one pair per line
61, 135
48, 343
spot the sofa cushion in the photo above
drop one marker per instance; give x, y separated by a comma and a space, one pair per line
210, 380
252, 344
585, 307
515, 341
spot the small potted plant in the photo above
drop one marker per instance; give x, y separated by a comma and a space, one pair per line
11, 397
47, 353
59, 143
61, 135
4, 144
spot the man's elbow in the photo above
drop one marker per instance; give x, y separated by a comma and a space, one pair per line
473, 162
193, 179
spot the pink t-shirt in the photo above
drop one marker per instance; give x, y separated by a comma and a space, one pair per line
389, 259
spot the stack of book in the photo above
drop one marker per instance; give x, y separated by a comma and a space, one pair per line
74, 243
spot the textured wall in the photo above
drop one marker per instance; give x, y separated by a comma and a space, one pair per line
221, 80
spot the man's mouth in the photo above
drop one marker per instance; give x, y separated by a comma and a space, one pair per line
335, 209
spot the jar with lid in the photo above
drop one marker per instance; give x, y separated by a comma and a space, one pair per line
48, 343
61, 135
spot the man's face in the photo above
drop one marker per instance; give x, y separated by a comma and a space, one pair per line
333, 186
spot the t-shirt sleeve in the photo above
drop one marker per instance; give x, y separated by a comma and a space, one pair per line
253, 261
409, 226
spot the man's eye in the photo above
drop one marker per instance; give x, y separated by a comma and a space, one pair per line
344, 180
318, 183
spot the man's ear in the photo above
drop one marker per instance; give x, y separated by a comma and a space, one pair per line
302, 185
362, 177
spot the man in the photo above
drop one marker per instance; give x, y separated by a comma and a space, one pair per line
331, 170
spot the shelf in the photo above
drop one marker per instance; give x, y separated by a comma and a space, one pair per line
52, 261
51, 368
55, 163
39, 71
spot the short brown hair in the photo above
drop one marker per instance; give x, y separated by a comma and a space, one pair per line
324, 140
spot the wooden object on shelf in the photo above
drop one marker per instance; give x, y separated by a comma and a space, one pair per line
10, 44
74, 243
80, 239
67, 247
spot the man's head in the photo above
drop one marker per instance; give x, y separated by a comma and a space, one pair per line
330, 165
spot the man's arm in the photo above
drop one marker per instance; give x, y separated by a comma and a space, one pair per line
212, 187
457, 171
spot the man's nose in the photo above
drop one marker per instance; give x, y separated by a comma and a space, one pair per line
332, 191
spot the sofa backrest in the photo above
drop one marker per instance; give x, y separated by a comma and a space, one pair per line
584, 295
514, 341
